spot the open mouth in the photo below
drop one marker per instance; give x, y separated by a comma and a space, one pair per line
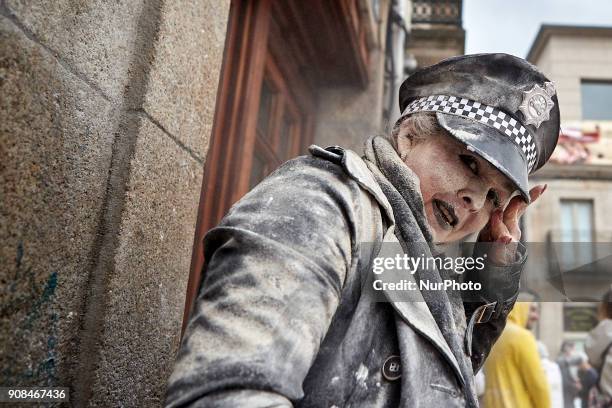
445, 214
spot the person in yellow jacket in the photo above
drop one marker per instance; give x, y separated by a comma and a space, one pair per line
514, 374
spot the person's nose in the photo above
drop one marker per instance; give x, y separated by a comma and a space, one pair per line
473, 199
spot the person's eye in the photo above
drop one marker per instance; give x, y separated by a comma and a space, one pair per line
494, 198
470, 161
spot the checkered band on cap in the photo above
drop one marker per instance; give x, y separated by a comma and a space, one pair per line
485, 114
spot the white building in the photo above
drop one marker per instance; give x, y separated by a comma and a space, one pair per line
578, 202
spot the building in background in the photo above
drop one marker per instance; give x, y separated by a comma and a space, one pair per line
436, 32
578, 202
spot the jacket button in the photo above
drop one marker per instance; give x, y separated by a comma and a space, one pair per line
392, 368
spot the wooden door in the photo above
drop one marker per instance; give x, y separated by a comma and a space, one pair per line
264, 117
282, 125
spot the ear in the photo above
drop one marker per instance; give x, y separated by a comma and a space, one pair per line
404, 144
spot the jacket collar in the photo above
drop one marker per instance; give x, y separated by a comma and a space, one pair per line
414, 312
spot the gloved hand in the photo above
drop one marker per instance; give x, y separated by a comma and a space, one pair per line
504, 228
499, 242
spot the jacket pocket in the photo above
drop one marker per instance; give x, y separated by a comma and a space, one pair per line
449, 390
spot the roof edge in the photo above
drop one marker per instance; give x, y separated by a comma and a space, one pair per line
547, 30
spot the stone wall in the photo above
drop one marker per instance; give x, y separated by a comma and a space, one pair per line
105, 116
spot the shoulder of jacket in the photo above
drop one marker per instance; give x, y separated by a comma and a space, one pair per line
355, 167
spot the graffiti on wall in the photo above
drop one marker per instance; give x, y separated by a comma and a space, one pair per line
26, 314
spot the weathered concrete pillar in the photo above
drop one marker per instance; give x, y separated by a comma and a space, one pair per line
105, 116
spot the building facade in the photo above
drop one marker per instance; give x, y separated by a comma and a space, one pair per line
578, 201
436, 31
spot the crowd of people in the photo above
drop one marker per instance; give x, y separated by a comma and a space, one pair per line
519, 372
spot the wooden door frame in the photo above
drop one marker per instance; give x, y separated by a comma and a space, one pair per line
243, 60
319, 42
247, 55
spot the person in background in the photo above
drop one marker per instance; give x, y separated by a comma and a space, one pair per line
571, 385
514, 373
553, 374
597, 347
587, 376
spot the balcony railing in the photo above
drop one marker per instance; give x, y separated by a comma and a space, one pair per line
446, 12
580, 235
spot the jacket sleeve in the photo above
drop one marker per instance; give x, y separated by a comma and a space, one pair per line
490, 305
275, 270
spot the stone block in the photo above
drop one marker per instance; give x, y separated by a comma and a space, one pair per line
184, 77
56, 136
96, 38
147, 289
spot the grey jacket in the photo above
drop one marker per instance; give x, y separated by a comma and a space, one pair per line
282, 318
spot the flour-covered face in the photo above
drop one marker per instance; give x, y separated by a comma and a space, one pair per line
460, 189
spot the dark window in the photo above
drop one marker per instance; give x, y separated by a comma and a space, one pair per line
258, 169
265, 107
286, 136
596, 100
579, 317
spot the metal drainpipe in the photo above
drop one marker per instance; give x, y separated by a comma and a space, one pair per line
396, 36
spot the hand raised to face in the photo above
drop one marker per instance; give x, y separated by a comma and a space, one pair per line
504, 228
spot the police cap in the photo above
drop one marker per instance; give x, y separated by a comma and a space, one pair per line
501, 106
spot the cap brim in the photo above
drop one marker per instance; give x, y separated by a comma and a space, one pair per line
493, 146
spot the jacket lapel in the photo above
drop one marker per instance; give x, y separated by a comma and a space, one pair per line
413, 309
360, 172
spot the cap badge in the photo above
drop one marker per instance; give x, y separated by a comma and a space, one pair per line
537, 104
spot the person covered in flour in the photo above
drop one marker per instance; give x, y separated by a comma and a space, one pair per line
284, 317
